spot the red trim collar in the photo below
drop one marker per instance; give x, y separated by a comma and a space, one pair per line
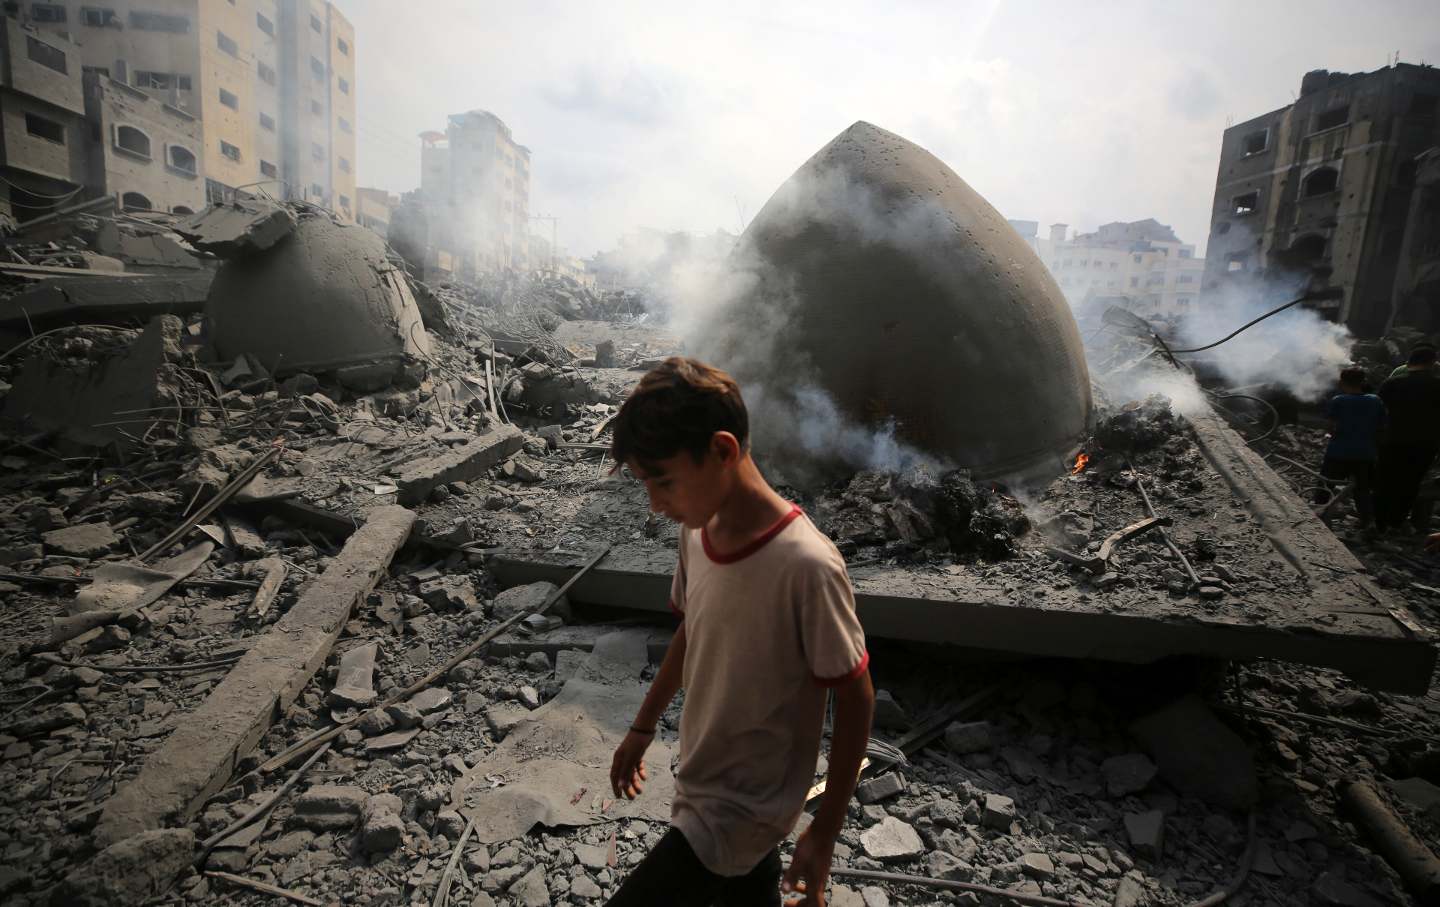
754, 545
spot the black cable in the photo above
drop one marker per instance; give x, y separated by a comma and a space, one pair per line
1246, 326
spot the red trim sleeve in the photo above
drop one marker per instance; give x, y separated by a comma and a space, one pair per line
678, 613
753, 546
847, 676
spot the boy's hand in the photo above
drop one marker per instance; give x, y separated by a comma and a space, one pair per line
627, 769
811, 864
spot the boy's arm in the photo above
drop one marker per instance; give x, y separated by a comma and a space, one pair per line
854, 710
627, 769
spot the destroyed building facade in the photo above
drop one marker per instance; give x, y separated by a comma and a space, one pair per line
1323, 187
270, 82
42, 120
475, 183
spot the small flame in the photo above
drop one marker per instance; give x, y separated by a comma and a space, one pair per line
1080, 463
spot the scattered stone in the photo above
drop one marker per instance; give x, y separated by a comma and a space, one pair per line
450, 824
874, 896
329, 807
585, 887
943, 865
530, 697
450, 593
431, 699
392, 741
873, 790
1147, 832
519, 599
888, 714
88, 540
968, 737
892, 840
129, 872
531, 890
538, 662
375, 722
381, 829
502, 717
1128, 774
1419, 793
999, 812
1023, 765
354, 687
1129, 893
591, 856
405, 715
1198, 754
1037, 865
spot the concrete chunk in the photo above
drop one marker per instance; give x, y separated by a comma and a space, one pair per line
84, 540
1147, 832
968, 737
459, 464
129, 872
353, 685
999, 812
204, 750
1198, 754
238, 228
873, 790
893, 840
1128, 774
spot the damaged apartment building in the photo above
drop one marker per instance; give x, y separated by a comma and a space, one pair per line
1339, 186
475, 190
170, 106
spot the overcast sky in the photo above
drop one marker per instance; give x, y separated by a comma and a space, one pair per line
647, 115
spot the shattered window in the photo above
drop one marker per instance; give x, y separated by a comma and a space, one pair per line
1320, 182
182, 159
230, 151
268, 169
47, 12
267, 122
1255, 142
134, 201
1236, 261
147, 21
227, 44
99, 18
1246, 204
128, 138
229, 99
45, 55
1330, 119
44, 129
264, 24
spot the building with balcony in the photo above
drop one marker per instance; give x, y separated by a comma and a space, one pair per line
43, 138
475, 182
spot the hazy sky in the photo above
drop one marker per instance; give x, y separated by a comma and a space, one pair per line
647, 115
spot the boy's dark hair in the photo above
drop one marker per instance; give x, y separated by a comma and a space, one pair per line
1355, 377
678, 406
1424, 354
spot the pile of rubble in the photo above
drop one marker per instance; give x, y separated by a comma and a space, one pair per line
254, 643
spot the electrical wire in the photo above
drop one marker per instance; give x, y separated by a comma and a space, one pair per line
65, 197
1244, 327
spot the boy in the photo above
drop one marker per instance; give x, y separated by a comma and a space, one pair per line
1355, 421
767, 626
1412, 401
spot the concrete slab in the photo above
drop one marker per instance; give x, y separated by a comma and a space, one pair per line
105, 300
459, 464
1320, 607
202, 753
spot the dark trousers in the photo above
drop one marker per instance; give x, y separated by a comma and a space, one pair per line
1402, 469
1334, 471
672, 876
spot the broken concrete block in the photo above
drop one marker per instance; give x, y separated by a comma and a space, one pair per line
888, 714
891, 840
1037, 866
882, 787
1128, 774
103, 639
130, 872
201, 754
392, 741
968, 737
450, 824
84, 540
1422, 796
502, 717
999, 812
329, 807
241, 227
525, 468
375, 722
52, 719
530, 889
431, 699
940, 864
519, 599
1146, 832
103, 404
354, 686
406, 715
381, 829
1198, 754
450, 593
464, 463
591, 856
368, 377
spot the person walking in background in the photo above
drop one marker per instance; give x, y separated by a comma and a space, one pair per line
1411, 441
1355, 422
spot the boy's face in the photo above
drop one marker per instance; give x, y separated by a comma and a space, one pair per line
689, 492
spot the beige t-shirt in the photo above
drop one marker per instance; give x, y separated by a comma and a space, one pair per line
767, 629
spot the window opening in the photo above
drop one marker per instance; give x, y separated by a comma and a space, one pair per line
128, 138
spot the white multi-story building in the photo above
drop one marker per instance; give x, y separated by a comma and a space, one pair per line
1143, 261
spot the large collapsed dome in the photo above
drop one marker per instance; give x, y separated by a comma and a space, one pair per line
877, 276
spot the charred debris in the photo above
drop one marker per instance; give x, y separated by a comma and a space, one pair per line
254, 476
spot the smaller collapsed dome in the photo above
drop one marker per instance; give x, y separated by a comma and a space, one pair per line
322, 297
